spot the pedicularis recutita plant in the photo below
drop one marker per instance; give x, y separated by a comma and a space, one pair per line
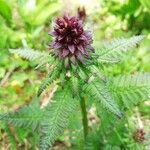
77, 67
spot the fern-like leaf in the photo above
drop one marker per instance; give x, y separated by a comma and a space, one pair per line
27, 117
11, 138
52, 76
131, 89
100, 92
28, 53
75, 85
92, 142
112, 52
57, 115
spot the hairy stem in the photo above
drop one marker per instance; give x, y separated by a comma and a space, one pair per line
84, 117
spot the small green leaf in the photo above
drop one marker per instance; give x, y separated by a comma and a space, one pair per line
146, 4
5, 10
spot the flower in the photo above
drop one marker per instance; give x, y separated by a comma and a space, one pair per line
81, 13
71, 41
138, 135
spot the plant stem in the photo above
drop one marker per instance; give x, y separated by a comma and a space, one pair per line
84, 117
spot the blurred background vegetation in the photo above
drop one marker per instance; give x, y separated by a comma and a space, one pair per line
26, 23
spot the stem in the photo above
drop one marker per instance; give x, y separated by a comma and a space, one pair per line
84, 117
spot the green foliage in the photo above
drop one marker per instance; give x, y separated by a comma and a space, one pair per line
41, 58
38, 15
29, 54
131, 89
93, 142
11, 138
5, 10
52, 76
100, 92
146, 4
50, 121
130, 13
58, 112
75, 85
26, 117
113, 51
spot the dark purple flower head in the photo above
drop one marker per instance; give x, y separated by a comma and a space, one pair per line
70, 39
139, 135
81, 13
